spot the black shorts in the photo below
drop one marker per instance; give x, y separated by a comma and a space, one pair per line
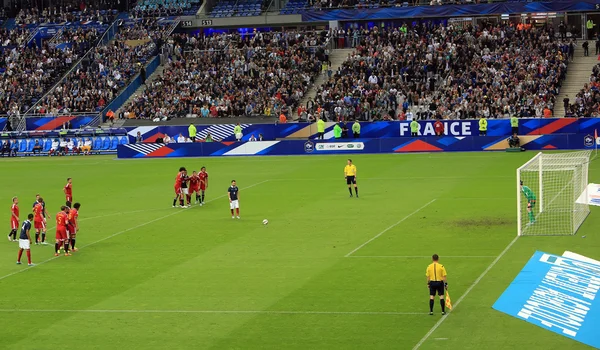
350, 180
436, 287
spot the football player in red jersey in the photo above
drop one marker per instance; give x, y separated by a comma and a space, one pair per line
203, 175
185, 193
177, 187
39, 221
14, 220
61, 232
68, 190
195, 186
73, 227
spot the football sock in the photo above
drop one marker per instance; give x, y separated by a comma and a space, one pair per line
43, 237
56, 247
175, 201
443, 304
431, 305
232, 212
28, 256
73, 243
189, 199
531, 217
202, 196
66, 245
356, 191
181, 202
37, 238
238, 211
350, 190
197, 198
20, 254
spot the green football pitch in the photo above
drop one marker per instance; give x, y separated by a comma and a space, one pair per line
327, 272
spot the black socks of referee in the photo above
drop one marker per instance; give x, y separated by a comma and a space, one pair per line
356, 191
350, 190
431, 302
443, 304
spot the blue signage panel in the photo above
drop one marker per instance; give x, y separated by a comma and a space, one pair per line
558, 294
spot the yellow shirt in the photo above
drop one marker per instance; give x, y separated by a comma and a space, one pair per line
350, 170
435, 272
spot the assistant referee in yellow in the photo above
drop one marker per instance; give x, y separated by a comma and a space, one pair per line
350, 176
436, 282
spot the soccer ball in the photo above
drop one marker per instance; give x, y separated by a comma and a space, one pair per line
265, 221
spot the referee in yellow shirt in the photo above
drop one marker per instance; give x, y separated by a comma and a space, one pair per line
436, 282
350, 176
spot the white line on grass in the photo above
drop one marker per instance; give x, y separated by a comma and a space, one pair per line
272, 312
462, 297
389, 228
422, 256
124, 231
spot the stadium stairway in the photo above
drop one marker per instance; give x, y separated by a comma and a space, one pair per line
337, 57
578, 74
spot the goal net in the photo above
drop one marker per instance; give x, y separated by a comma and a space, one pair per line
549, 184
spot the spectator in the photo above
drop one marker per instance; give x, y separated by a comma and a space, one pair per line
167, 139
139, 138
181, 138
252, 138
438, 126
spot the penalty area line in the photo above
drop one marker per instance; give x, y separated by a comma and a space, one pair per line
122, 232
268, 312
389, 228
462, 297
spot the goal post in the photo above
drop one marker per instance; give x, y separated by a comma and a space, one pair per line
548, 187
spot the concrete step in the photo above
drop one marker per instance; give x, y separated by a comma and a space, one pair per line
578, 74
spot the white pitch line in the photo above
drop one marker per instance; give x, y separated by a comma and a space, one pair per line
389, 228
422, 256
462, 297
124, 231
272, 312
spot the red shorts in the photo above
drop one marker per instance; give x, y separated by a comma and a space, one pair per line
39, 225
69, 198
202, 187
71, 229
61, 234
177, 190
14, 224
193, 189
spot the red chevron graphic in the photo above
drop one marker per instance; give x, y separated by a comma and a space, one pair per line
419, 146
55, 123
553, 127
549, 147
161, 152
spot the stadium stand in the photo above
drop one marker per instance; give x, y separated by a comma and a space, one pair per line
587, 101
158, 8
267, 73
30, 16
238, 8
143, 29
96, 82
445, 72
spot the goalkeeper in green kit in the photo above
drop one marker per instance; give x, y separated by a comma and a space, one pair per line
530, 202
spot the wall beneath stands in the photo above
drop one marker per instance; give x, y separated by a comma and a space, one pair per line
2, 123
131, 88
460, 128
55, 123
362, 145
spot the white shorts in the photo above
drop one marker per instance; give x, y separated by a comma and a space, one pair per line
184, 190
234, 204
24, 243
239, 136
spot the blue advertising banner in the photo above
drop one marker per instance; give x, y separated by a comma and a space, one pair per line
358, 145
460, 128
558, 294
2, 123
461, 10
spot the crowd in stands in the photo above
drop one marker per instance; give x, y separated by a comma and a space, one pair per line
426, 72
27, 72
98, 79
13, 37
229, 75
332, 4
143, 29
163, 8
27, 16
587, 101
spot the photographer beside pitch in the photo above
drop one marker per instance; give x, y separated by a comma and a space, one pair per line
436, 282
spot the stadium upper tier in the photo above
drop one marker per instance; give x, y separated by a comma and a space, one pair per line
156, 8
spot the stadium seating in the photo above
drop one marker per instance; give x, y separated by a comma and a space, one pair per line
156, 8
237, 8
185, 89
435, 78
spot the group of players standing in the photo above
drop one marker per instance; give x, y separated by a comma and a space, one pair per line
186, 186
66, 225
